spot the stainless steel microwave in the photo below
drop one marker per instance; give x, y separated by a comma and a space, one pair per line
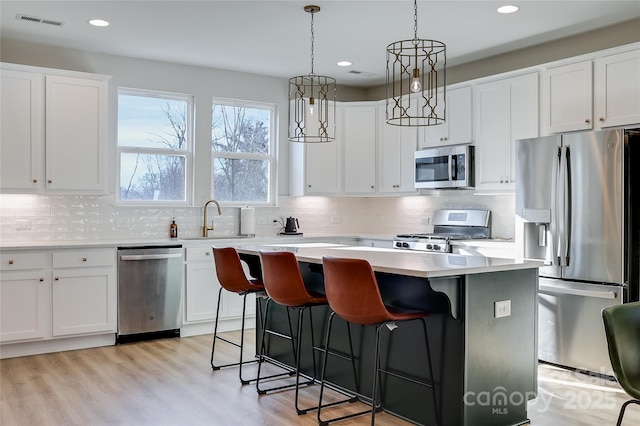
445, 167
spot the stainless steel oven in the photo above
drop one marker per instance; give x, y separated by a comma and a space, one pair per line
445, 167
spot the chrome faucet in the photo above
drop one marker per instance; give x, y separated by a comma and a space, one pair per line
205, 227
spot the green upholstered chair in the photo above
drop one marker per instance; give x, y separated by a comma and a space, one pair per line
622, 327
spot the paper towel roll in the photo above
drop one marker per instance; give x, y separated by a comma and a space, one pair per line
247, 221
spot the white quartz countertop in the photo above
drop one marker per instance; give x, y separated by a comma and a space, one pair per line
400, 262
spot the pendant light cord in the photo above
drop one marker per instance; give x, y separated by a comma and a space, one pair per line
312, 40
415, 21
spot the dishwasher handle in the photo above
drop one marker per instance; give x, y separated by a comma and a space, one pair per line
577, 292
135, 257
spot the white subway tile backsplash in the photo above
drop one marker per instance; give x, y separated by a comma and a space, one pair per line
87, 217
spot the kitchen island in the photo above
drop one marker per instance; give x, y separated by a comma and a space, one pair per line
482, 332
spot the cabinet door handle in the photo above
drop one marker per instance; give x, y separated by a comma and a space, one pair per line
49, 181
56, 279
35, 180
84, 259
10, 261
41, 279
309, 186
586, 120
208, 253
601, 118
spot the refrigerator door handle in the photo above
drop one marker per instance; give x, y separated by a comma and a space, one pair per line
555, 204
563, 208
568, 213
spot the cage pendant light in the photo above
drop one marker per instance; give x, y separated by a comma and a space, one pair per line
415, 84
312, 106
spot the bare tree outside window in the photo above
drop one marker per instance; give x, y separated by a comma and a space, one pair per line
241, 152
153, 146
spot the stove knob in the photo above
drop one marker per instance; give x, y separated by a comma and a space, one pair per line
398, 244
429, 246
405, 245
436, 247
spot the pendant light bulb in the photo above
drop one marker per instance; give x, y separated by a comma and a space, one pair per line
415, 83
311, 108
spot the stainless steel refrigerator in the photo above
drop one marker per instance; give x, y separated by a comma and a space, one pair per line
577, 210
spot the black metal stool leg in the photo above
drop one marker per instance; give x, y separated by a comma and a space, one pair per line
430, 365
215, 333
352, 398
263, 356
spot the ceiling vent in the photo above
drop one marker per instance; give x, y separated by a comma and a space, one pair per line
21, 17
362, 73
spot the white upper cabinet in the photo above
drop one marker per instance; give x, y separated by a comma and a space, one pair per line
76, 119
22, 130
316, 168
396, 147
360, 149
458, 126
53, 130
567, 98
505, 110
617, 89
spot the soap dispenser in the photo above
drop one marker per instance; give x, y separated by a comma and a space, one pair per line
173, 229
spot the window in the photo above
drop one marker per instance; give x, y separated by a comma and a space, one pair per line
242, 149
154, 146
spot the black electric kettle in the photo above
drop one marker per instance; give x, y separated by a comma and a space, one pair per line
292, 225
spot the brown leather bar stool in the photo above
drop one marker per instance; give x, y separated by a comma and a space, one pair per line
353, 294
285, 286
233, 279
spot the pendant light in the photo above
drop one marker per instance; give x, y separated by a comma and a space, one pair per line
415, 86
312, 106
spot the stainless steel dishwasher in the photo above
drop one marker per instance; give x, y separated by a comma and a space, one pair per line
149, 292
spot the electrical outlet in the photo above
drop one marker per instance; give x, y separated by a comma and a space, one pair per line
23, 224
502, 308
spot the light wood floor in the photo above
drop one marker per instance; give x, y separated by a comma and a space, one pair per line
170, 382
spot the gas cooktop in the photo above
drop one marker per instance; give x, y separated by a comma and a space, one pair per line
448, 225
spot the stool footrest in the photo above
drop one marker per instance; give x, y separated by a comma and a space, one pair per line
428, 384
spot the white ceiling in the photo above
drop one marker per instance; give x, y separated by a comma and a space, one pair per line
273, 37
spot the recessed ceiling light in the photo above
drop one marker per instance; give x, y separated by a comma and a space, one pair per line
99, 23
344, 64
508, 9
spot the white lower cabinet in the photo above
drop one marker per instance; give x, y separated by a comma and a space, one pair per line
201, 285
202, 288
25, 296
84, 292
62, 293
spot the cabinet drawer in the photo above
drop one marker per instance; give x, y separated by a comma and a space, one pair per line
84, 258
197, 254
22, 261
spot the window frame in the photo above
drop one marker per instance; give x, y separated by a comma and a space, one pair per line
271, 157
188, 152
